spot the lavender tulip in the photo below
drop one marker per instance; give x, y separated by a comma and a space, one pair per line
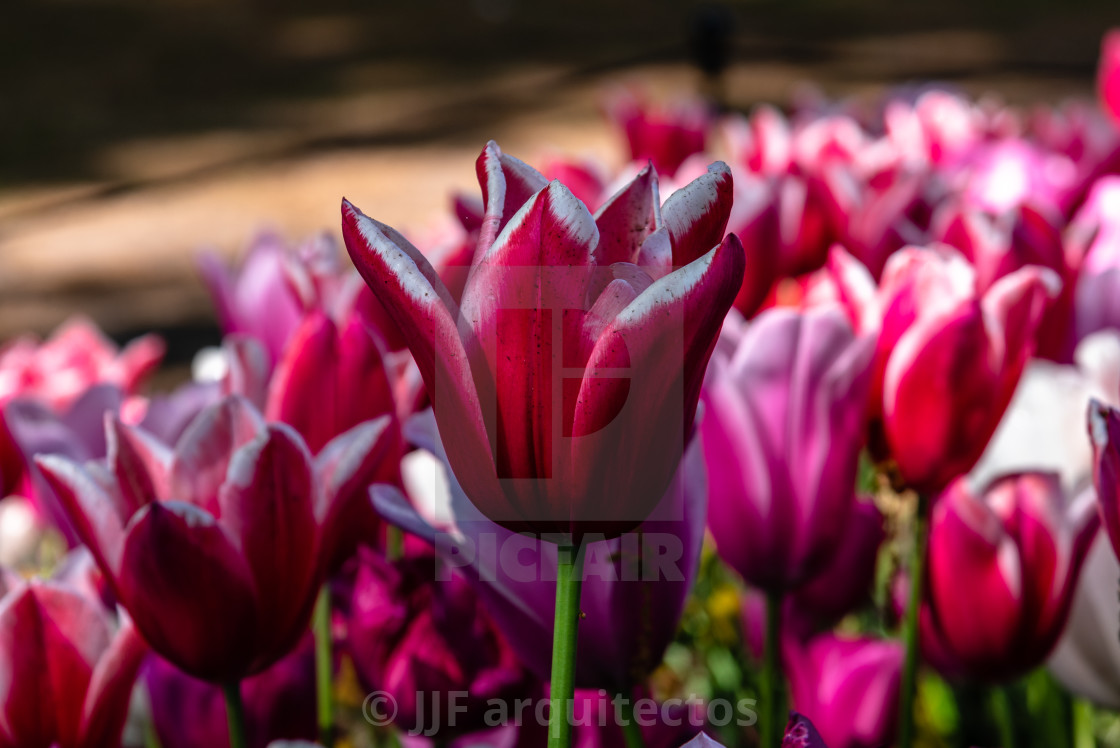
782, 431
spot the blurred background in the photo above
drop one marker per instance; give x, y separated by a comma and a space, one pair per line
135, 132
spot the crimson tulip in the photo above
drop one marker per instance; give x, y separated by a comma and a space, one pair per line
949, 354
218, 547
65, 675
1018, 545
574, 417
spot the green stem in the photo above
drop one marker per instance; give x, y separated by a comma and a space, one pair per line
909, 684
569, 581
394, 542
631, 730
1004, 716
235, 714
324, 667
1082, 728
774, 720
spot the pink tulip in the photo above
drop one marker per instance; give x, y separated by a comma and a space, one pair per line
1003, 565
847, 687
574, 416
65, 675
782, 431
423, 640
949, 354
77, 356
218, 548
1108, 74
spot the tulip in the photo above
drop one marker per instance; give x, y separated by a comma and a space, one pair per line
948, 358
65, 675
427, 641
630, 612
77, 356
1108, 74
624, 377
217, 548
279, 703
782, 432
57, 373
1020, 541
848, 687
664, 137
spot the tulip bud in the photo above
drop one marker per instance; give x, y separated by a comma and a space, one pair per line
1003, 564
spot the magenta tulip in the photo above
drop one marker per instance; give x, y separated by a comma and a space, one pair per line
430, 644
782, 431
279, 703
1003, 565
218, 548
848, 687
1104, 429
574, 417
65, 676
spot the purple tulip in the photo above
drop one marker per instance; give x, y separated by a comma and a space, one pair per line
1003, 565
422, 639
847, 687
630, 611
782, 430
574, 418
279, 703
65, 676
218, 548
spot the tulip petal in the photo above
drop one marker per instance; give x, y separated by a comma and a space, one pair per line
1104, 430
98, 512
189, 590
670, 328
507, 183
140, 463
696, 215
202, 454
420, 305
627, 218
537, 269
110, 689
267, 505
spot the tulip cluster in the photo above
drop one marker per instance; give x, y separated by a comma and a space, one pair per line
751, 434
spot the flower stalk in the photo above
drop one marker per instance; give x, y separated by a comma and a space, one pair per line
569, 583
910, 623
